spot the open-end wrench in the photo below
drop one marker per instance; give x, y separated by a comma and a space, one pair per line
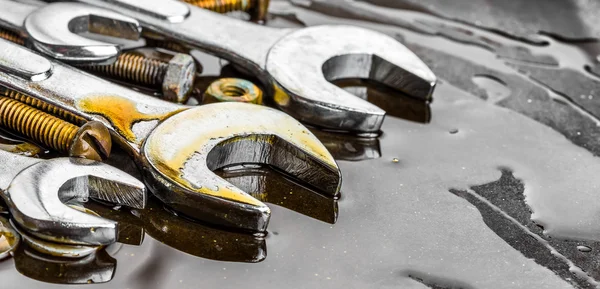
36, 21
176, 146
296, 66
36, 191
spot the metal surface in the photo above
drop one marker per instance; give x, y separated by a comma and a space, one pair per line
189, 142
91, 141
296, 66
232, 90
33, 190
55, 249
54, 30
174, 77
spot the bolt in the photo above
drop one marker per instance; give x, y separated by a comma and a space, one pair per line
175, 77
43, 106
256, 8
11, 36
232, 90
91, 141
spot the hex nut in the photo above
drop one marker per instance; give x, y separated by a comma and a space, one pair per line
232, 90
179, 79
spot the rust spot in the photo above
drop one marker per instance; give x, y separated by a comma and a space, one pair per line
121, 113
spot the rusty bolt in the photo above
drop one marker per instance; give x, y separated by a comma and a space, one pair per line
11, 36
91, 141
256, 8
179, 78
175, 77
232, 90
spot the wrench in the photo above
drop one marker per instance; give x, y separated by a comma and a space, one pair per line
177, 147
40, 23
35, 190
296, 66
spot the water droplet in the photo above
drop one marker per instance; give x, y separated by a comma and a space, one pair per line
584, 249
453, 131
395, 160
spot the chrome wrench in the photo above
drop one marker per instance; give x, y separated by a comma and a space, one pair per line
177, 147
296, 66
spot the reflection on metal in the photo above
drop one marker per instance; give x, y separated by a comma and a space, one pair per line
182, 234
346, 147
200, 240
395, 103
269, 186
9, 238
15, 145
55, 249
98, 267
131, 232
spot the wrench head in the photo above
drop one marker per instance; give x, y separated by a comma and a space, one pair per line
303, 64
37, 195
55, 31
184, 150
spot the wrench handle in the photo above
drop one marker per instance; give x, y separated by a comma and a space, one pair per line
130, 115
246, 44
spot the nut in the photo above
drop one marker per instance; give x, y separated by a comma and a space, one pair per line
179, 79
232, 90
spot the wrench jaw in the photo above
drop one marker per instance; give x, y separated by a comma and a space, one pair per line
303, 64
180, 166
54, 30
35, 198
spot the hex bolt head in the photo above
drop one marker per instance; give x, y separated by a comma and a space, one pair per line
179, 79
92, 141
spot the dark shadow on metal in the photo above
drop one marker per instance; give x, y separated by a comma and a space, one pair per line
394, 102
268, 185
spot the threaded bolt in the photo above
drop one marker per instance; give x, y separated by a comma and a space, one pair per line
11, 36
256, 8
43, 106
91, 141
175, 77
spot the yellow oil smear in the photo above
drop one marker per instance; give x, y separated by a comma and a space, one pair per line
120, 112
280, 97
172, 167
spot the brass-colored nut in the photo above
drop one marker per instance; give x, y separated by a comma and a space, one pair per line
232, 90
179, 79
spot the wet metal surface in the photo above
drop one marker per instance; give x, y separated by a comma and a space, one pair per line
492, 185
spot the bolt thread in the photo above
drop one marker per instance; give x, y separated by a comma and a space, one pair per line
11, 36
132, 67
43, 106
223, 6
37, 125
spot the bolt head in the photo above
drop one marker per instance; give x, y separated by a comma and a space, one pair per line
179, 79
92, 141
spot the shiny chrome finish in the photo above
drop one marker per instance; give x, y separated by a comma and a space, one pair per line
179, 146
296, 65
54, 30
35, 192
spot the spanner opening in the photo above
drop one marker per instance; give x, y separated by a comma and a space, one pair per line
34, 198
54, 30
181, 166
